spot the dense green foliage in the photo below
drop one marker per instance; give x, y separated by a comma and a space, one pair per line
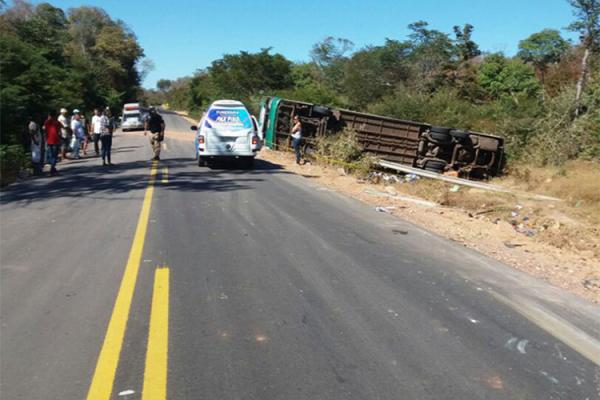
543, 48
52, 59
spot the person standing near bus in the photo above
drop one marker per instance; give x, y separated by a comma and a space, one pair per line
297, 137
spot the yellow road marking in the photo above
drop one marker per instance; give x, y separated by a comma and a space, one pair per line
155, 373
106, 366
165, 175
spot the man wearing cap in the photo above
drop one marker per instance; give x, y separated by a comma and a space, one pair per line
64, 132
78, 133
156, 124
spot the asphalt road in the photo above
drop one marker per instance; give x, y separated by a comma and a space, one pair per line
176, 123
199, 283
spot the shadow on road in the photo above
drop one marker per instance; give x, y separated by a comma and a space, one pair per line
80, 179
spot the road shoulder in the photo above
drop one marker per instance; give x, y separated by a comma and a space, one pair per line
564, 268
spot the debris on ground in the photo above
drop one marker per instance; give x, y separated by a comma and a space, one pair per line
408, 178
454, 188
591, 283
377, 177
386, 210
513, 245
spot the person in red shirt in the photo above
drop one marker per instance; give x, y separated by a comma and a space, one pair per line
52, 128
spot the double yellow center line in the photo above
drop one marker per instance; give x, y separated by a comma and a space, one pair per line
155, 376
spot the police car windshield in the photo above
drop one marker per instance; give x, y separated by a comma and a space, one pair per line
230, 118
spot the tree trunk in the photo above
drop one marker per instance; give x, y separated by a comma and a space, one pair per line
581, 81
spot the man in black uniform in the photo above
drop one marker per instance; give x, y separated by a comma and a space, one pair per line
156, 125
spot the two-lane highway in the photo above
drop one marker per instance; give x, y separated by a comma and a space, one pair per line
168, 280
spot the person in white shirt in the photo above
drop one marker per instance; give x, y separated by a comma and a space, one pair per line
96, 130
36, 146
64, 132
78, 133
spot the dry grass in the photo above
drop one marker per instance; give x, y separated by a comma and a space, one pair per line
577, 183
571, 224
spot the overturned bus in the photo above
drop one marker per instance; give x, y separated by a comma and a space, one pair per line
415, 144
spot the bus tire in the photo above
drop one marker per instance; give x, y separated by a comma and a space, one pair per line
460, 135
435, 166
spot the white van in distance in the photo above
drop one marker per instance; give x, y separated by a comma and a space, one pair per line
227, 131
132, 118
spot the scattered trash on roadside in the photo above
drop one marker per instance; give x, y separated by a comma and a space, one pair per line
514, 214
451, 173
513, 245
522, 228
454, 188
519, 207
591, 283
386, 210
374, 177
527, 232
391, 179
341, 171
378, 177
408, 178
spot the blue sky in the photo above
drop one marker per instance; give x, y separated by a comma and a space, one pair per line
185, 35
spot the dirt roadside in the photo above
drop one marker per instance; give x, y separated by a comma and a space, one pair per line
517, 235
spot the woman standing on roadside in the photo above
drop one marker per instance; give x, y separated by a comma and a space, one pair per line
106, 136
297, 137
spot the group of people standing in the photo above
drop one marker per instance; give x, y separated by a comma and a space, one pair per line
64, 134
